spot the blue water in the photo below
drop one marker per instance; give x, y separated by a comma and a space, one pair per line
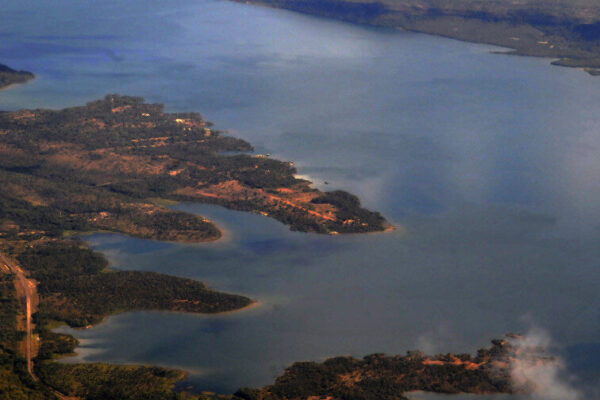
488, 163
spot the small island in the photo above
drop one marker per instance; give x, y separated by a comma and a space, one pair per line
9, 76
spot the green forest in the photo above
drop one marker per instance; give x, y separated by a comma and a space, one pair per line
76, 287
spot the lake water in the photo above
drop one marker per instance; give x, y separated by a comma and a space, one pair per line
488, 163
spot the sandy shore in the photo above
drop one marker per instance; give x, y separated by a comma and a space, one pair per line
251, 306
388, 228
226, 234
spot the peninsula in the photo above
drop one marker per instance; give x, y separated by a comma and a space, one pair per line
111, 165
566, 30
98, 167
382, 377
9, 76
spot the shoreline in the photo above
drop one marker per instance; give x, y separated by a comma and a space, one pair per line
255, 304
387, 229
225, 235
15, 84
522, 39
59, 324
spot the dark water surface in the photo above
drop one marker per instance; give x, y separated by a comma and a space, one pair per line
488, 163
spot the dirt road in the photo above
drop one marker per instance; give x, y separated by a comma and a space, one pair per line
29, 293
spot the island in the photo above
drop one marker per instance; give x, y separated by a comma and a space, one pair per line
9, 76
568, 31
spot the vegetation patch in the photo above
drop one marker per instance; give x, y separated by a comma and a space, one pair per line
102, 381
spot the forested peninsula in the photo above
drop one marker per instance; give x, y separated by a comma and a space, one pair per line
112, 165
566, 30
379, 377
98, 167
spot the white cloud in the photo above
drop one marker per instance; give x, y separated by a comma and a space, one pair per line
546, 378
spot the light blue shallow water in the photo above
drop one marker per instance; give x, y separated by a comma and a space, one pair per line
488, 162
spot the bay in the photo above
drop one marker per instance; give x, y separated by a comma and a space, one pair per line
487, 163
